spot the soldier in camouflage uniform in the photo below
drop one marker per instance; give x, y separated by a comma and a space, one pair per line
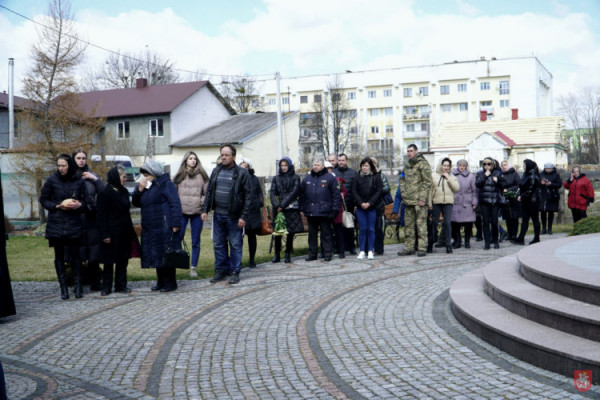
415, 190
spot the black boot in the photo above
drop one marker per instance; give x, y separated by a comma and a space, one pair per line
277, 251
536, 239
287, 258
448, 249
467, 239
76, 269
61, 274
276, 258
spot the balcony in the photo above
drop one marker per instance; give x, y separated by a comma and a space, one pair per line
408, 117
415, 134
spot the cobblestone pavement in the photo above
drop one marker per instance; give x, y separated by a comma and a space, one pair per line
358, 329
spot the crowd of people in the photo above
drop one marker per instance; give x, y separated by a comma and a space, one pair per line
89, 221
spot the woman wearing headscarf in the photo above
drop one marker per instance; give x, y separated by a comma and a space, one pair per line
157, 197
490, 183
284, 193
253, 224
116, 231
550, 183
529, 196
581, 193
465, 203
511, 211
441, 199
366, 192
191, 181
90, 245
63, 196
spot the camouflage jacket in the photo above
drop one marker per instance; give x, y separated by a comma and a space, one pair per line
417, 181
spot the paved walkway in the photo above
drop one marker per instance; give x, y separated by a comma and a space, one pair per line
344, 329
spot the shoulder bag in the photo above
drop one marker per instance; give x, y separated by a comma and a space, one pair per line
347, 217
177, 258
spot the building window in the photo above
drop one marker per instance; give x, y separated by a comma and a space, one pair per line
123, 130
410, 127
388, 111
303, 99
353, 130
424, 127
462, 87
389, 129
374, 129
485, 104
463, 106
372, 94
317, 98
407, 92
254, 103
445, 89
156, 127
504, 104
373, 112
504, 87
351, 95
272, 101
285, 100
446, 107
484, 85
387, 93
410, 110
424, 91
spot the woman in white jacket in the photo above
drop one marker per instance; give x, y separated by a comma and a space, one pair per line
441, 199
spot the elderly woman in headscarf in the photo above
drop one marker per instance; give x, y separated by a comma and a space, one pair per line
465, 203
550, 184
116, 231
529, 196
511, 211
157, 197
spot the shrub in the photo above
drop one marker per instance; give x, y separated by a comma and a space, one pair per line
586, 225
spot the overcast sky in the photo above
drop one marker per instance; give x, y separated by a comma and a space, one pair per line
324, 36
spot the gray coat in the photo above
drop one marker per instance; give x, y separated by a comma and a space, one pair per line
466, 197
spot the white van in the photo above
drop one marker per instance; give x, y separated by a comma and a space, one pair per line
124, 161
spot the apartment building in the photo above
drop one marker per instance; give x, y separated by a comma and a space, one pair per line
385, 110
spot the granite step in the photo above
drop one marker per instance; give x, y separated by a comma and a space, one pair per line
524, 339
507, 287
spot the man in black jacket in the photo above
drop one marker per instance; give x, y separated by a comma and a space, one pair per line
229, 196
348, 175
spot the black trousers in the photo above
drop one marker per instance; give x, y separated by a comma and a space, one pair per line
379, 234
489, 216
338, 231
547, 216
446, 211
578, 214
120, 276
251, 234
324, 225
530, 211
289, 243
165, 277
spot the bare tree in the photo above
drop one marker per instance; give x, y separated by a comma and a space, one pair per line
241, 93
582, 113
52, 122
121, 70
335, 119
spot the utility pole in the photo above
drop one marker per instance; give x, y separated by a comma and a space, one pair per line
11, 102
277, 77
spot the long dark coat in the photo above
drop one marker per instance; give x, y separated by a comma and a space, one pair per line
489, 191
90, 245
512, 180
63, 224
7, 302
114, 222
549, 194
256, 203
285, 190
161, 212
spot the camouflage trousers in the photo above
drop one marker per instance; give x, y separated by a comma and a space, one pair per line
415, 215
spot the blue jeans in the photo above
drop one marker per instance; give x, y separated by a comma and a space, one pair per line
227, 235
196, 225
366, 228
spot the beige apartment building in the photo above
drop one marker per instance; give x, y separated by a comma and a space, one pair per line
385, 110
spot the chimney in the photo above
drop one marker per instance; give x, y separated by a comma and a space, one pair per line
141, 83
483, 115
515, 113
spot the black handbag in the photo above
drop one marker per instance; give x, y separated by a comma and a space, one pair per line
177, 258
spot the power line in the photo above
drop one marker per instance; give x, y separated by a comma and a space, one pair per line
130, 57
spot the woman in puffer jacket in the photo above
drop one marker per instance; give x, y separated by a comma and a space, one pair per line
192, 181
581, 193
549, 196
63, 197
366, 192
529, 196
441, 199
490, 183
465, 203
511, 211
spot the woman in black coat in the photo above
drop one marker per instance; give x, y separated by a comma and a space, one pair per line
367, 189
285, 190
529, 196
490, 183
63, 196
550, 183
511, 211
253, 224
116, 231
157, 197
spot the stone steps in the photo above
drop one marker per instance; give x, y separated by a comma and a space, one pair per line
535, 306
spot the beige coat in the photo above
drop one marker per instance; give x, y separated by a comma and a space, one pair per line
192, 192
442, 189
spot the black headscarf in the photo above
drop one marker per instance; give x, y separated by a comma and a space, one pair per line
73, 168
530, 165
114, 180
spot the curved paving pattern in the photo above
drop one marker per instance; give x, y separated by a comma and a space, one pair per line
345, 329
